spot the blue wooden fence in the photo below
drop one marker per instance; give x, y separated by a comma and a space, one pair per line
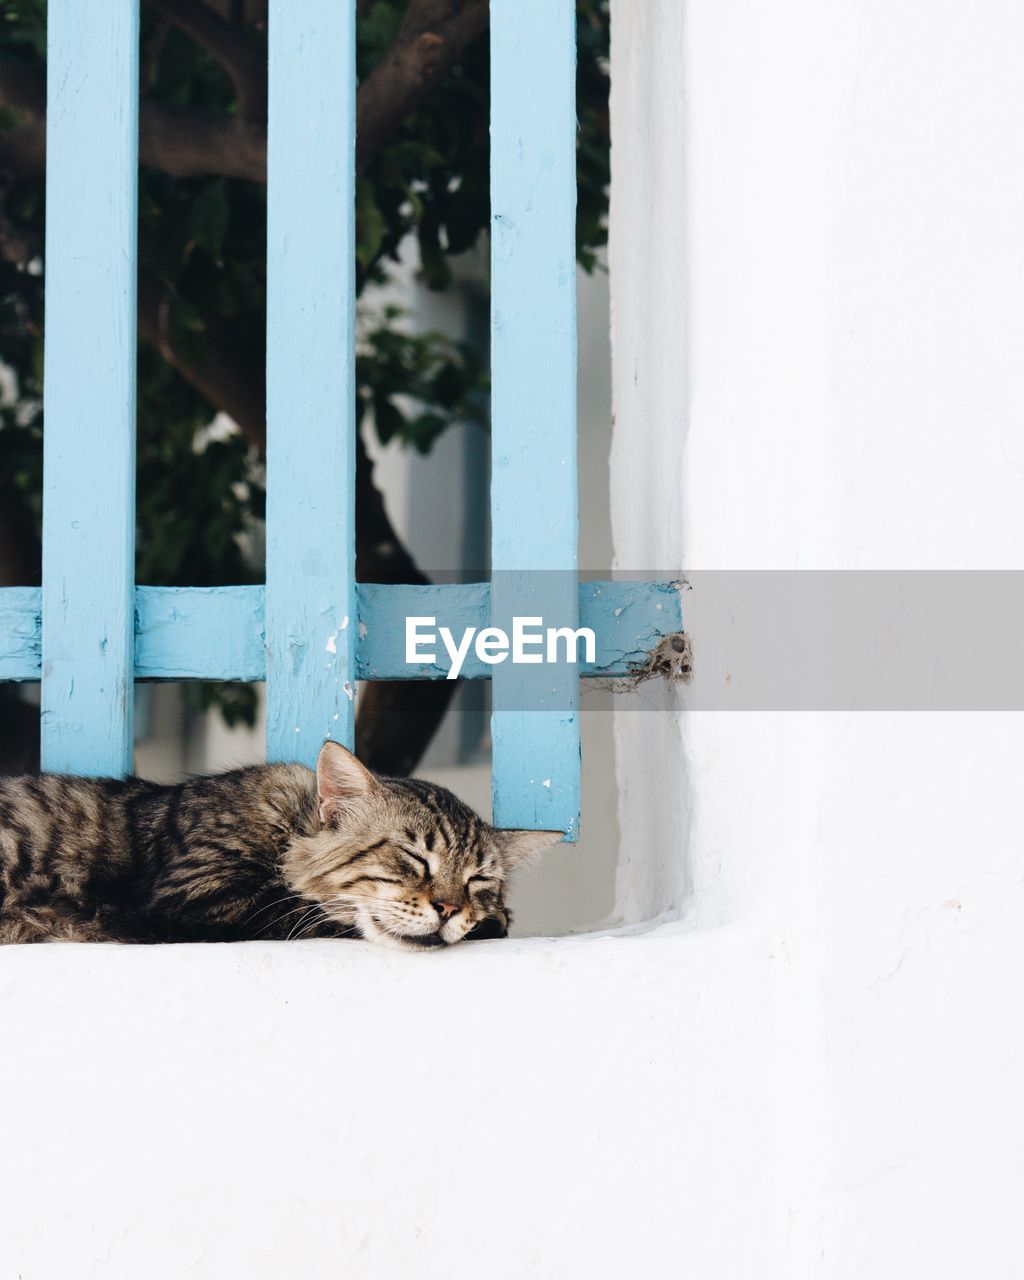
311, 632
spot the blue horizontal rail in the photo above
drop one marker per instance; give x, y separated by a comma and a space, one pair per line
217, 633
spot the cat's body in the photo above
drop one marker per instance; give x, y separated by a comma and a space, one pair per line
130, 861
269, 852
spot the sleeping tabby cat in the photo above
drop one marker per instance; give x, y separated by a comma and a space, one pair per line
268, 852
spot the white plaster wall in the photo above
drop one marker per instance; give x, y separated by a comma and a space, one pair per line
311, 1111
824, 352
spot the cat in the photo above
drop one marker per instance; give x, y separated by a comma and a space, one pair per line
273, 851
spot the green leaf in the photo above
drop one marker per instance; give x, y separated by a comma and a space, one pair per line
424, 430
388, 419
371, 226
209, 216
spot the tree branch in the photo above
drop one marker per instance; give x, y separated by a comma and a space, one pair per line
188, 143
23, 87
20, 552
432, 35
239, 57
23, 151
23, 148
150, 50
230, 376
19, 733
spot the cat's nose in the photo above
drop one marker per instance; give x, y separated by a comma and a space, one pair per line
445, 909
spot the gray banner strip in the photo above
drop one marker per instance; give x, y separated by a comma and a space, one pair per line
855, 640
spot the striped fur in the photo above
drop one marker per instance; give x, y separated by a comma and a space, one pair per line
268, 852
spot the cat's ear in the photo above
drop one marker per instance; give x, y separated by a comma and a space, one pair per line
521, 846
340, 780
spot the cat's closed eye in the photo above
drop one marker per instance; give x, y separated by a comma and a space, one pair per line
422, 865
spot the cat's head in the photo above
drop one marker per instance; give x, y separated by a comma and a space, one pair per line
405, 861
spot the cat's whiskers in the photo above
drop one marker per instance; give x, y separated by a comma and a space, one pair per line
317, 920
354, 902
272, 924
288, 897
313, 910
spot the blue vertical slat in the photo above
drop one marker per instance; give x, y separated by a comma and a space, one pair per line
310, 600
533, 362
89, 386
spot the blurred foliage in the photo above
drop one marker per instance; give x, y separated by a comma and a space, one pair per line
200, 488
